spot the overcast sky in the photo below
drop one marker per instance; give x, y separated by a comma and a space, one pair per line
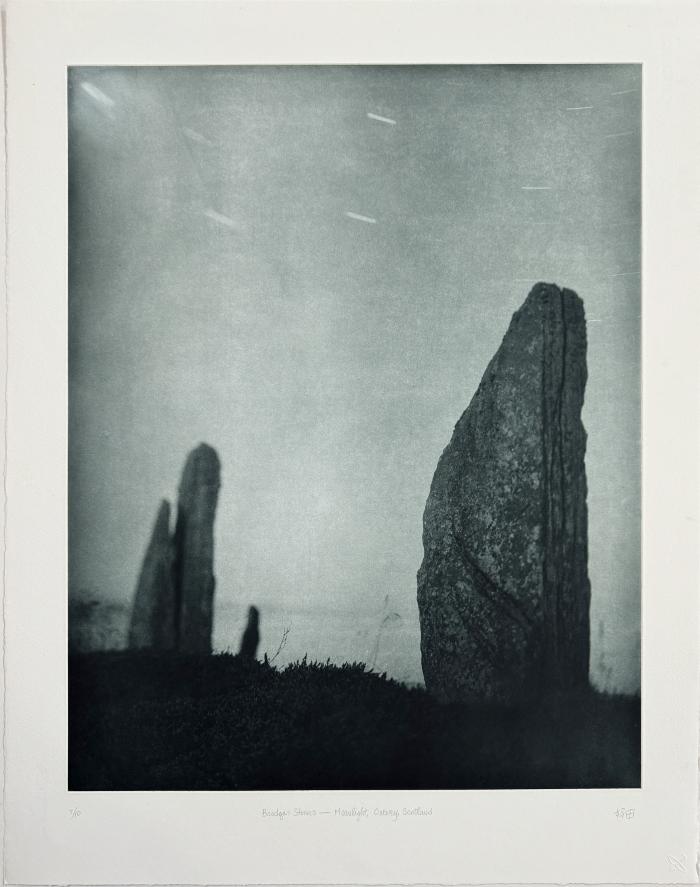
310, 268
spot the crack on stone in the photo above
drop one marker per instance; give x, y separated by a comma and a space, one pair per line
554, 512
494, 595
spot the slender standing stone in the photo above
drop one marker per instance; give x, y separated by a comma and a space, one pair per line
153, 616
503, 590
194, 549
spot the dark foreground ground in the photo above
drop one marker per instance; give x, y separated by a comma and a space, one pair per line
144, 721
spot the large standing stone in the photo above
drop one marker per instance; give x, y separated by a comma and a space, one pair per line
503, 590
194, 549
153, 616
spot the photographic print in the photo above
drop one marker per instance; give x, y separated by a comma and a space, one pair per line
354, 427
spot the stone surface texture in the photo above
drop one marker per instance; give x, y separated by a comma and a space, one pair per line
153, 615
503, 590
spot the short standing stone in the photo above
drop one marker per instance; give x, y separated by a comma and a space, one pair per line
251, 635
503, 590
194, 549
153, 615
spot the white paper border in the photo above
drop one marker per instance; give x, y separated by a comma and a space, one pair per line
473, 837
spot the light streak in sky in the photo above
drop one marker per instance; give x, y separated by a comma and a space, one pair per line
613, 135
624, 92
197, 137
381, 119
97, 94
581, 108
218, 217
624, 273
361, 218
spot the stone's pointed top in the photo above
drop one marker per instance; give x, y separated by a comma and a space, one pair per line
204, 448
161, 525
558, 305
204, 452
542, 292
202, 469
543, 287
163, 516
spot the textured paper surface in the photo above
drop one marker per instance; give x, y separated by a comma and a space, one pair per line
471, 837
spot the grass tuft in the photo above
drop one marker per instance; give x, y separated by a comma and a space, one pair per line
146, 721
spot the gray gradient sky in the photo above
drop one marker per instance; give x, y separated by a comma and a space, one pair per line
221, 292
